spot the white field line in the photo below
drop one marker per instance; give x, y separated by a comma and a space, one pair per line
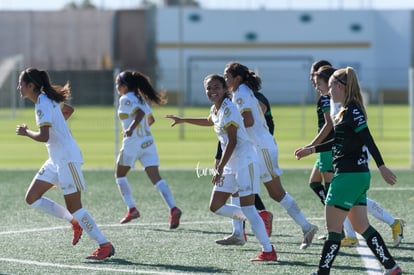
368, 259
82, 267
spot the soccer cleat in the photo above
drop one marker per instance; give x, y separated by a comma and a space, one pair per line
308, 237
232, 240
175, 215
322, 237
102, 253
396, 270
267, 218
266, 256
132, 213
397, 231
77, 232
349, 242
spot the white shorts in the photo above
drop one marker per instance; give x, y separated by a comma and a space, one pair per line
146, 153
246, 181
268, 162
66, 175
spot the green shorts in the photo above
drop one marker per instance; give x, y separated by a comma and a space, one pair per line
324, 162
348, 189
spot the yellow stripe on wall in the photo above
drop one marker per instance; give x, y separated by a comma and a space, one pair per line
253, 45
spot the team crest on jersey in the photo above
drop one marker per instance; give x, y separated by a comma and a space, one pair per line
239, 101
39, 114
227, 112
128, 102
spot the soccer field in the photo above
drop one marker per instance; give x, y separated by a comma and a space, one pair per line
35, 243
190, 146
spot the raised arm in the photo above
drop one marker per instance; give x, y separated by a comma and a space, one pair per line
202, 121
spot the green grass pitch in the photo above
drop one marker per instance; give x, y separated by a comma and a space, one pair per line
188, 146
35, 243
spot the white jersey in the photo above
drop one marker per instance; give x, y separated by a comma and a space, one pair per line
129, 104
259, 133
243, 153
61, 145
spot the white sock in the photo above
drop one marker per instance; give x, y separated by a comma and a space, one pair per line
348, 229
292, 208
237, 224
257, 226
378, 212
52, 208
125, 191
165, 192
231, 211
88, 224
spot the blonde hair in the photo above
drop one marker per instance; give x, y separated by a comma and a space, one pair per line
348, 77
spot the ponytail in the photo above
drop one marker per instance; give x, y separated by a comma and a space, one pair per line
141, 85
41, 81
253, 81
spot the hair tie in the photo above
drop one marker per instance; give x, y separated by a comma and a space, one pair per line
122, 79
340, 80
32, 79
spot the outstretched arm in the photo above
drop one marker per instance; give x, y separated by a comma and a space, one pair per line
192, 120
308, 150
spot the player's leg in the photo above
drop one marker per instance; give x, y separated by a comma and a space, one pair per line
126, 160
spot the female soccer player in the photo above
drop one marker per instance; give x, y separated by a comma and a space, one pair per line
266, 215
242, 82
135, 91
347, 194
63, 167
323, 166
237, 170
322, 170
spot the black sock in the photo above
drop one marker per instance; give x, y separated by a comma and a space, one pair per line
378, 247
330, 250
258, 203
319, 190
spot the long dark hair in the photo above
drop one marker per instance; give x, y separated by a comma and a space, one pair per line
325, 72
42, 83
141, 85
253, 81
318, 64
